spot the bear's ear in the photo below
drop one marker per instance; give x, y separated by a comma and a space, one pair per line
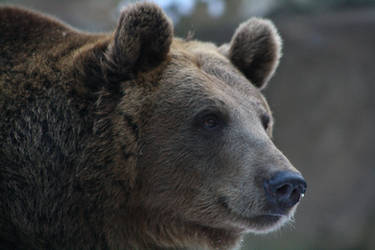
255, 49
140, 42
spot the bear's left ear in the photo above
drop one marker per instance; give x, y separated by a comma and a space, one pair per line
140, 42
255, 49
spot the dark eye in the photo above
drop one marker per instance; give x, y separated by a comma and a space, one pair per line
210, 122
265, 121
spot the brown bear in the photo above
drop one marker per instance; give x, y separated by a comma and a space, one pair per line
137, 139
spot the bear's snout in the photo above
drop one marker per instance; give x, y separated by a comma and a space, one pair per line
284, 190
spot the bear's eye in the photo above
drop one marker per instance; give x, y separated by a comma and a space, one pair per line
210, 122
265, 121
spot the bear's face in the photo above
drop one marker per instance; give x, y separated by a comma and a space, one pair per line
201, 138
206, 147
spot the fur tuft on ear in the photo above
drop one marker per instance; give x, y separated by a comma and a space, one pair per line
255, 49
141, 41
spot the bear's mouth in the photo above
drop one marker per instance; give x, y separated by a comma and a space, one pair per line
261, 222
266, 218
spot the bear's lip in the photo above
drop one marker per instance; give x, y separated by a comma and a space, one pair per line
262, 222
265, 218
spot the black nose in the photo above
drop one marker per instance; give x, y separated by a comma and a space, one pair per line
284, 189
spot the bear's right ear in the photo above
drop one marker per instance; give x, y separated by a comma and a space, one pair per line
141, 41
255, 49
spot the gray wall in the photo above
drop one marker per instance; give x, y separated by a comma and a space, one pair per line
323, 98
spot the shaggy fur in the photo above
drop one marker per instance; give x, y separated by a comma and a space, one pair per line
136, 139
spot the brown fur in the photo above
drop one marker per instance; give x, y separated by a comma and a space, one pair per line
103, 143
259, 40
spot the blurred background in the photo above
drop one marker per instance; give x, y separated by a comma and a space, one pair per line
323, 98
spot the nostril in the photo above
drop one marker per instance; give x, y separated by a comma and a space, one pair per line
285, 188
295, 195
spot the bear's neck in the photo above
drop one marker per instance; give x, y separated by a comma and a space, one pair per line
140, 229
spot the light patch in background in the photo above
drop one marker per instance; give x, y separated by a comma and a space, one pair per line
216, 8
259, 8
176, 9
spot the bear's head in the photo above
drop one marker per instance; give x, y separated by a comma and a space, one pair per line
192, 120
